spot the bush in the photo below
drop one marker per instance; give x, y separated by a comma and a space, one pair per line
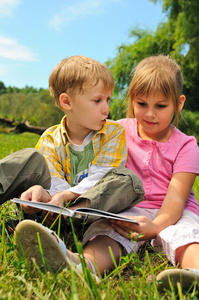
190, 123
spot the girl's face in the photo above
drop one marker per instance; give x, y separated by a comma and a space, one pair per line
154, 114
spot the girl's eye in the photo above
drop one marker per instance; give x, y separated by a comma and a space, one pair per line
161, 106
109, 100
97, 101
141, 103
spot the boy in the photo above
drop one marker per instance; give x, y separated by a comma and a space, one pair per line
85, 146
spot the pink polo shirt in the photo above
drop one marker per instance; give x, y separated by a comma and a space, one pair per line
156, 162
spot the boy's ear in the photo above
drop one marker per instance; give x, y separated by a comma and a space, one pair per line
65, 101
181, 102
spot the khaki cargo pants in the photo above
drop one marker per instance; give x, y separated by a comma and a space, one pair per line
21, 170
117, 190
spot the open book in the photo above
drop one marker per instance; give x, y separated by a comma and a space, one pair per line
80, 213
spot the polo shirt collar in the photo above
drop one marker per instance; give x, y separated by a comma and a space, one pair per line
65, 135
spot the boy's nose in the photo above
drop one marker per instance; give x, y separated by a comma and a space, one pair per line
106, 109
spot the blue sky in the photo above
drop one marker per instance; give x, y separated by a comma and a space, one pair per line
35, 35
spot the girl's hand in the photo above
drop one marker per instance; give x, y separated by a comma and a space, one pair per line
36, 194
146, 229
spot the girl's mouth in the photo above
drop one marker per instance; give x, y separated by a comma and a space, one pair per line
150, 123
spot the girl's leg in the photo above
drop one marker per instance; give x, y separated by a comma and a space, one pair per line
180, 242
181, 245
97, 249
98, 252
188, 256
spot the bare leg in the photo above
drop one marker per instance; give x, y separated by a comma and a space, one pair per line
97, 251
188, 256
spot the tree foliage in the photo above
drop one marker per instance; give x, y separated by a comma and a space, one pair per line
178, 37
30, 104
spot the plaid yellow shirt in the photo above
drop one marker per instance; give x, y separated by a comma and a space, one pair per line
109, 147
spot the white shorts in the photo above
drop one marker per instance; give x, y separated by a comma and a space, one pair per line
184, 232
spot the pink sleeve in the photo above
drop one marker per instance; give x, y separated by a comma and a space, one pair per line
187, 159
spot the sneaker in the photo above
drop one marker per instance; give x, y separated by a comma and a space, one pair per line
52, 253
186, 278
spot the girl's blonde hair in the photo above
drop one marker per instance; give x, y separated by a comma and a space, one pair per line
75, 74
156, 74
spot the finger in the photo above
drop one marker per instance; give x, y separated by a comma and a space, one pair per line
128, 226
121, 231
26, 196
29, 209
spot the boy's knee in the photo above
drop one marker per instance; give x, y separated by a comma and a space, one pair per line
36, 163
32, 152
35, 156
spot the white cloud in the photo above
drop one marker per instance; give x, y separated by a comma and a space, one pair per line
79, 10
10, 49
7, 6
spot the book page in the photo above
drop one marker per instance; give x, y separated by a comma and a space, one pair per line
80, 213
46, 206
104, 214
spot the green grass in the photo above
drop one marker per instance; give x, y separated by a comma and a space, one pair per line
13, 142
21, 280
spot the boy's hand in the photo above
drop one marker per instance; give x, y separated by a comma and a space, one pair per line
59, 199
146, 228
36, 194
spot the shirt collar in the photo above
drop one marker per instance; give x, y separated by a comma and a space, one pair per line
64, 132
65, 135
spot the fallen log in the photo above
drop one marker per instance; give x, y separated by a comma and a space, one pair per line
26, 127
22, 126
7, 121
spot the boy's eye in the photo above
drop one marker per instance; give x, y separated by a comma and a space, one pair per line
97, 100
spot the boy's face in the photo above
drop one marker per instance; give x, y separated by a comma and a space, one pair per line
89, 110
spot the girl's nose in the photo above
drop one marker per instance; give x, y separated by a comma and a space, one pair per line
150, 112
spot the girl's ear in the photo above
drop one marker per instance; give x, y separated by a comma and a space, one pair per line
65, 101
181, 102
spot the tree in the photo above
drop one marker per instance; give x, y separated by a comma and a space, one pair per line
178, 37
36, 107
145, 43
2, 88
183, 16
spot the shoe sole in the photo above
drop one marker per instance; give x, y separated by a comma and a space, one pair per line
26, 238
186, 279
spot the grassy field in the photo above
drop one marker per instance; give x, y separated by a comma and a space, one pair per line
132, 279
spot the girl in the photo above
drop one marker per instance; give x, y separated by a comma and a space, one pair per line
167, 161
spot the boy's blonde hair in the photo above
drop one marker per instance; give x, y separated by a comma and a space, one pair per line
157, 74
75, 74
